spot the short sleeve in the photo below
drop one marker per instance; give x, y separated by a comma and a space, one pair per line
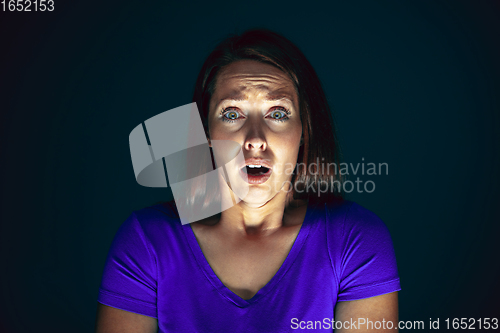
367, 261
129, 280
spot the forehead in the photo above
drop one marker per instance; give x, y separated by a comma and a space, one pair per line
249, 79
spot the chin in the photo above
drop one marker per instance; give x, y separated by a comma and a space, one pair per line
257, 197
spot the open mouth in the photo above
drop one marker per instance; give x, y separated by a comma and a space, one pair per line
255, 174
255, 170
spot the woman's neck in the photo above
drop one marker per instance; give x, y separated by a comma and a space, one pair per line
262, 220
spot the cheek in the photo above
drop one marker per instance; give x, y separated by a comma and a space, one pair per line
215, 130
287, 147
220, 133
294, 134
293, 143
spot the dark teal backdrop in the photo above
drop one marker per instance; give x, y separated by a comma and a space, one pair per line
415, 85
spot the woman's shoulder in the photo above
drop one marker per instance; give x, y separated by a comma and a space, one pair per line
361, 250
161, 217
167, 208
150, 233
350, 215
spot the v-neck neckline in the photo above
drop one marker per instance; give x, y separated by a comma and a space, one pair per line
285, 266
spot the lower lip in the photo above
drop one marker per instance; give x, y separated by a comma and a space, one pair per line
256, 180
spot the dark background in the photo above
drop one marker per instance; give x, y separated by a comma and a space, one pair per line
413, 84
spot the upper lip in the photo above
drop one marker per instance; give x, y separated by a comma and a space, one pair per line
257, 161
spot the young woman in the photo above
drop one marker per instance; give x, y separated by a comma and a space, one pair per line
291, 254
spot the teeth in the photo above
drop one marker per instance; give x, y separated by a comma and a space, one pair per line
254, 166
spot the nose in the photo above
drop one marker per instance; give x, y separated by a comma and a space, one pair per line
254, 129
255, 138
255, 143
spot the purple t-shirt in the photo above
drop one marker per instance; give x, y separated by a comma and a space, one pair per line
155, 267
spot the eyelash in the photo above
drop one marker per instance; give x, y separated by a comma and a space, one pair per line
224, 111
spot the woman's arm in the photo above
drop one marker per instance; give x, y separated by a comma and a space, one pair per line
113, 320
365, 315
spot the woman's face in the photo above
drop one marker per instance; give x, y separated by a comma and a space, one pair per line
256, 106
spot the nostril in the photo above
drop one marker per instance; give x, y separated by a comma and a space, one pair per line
255, 145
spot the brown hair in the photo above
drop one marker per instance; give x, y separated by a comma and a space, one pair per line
320, 143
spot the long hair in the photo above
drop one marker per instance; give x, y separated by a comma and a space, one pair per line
317, 174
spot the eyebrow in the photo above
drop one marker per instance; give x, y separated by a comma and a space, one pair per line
278, 97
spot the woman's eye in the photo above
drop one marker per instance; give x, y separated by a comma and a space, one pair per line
230, 115
280, 114
277, 114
